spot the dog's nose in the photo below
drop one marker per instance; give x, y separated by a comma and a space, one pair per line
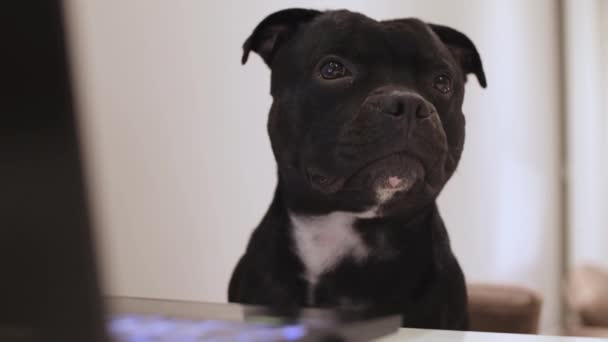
400, 103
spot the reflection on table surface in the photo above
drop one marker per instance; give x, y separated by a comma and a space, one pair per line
418, 335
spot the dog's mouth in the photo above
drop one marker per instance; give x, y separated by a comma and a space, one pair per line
386, 175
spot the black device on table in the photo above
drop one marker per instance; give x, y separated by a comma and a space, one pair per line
49, 289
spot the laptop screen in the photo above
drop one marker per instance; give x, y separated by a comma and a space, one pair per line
48, 287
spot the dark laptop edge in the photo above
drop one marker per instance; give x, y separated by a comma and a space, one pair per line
49, 287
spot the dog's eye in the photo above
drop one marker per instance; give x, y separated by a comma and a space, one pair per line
333, 70
443, 83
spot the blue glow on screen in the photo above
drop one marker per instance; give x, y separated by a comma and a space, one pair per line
142, 328
294, 332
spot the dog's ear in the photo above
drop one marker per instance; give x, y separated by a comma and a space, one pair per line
463, 50
274, 30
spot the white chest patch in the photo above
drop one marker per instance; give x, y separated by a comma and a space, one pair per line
323, 241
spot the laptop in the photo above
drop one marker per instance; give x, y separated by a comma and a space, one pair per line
49, 288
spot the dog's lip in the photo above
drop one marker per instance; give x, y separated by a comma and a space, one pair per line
324, 182
332, 184
357, 172
374, 161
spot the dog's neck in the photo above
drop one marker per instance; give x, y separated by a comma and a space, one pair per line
323, 242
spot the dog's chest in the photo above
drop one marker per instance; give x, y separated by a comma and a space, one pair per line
322, 242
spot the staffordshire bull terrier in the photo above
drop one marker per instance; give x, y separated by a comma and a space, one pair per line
366, 127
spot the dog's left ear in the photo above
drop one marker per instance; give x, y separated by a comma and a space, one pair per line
274, 30
463, 50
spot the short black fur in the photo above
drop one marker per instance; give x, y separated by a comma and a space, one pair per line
339, 144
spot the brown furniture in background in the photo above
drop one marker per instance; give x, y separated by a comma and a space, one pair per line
587, 298
504, 309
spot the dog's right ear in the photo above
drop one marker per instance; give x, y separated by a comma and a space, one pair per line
463, 50
274, 30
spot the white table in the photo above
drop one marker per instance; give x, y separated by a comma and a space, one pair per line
418, 335
198, 310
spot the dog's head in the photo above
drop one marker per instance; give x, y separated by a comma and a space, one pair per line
365, 114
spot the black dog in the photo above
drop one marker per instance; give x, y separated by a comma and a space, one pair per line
366, 128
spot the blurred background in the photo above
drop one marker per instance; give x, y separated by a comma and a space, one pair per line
181, 167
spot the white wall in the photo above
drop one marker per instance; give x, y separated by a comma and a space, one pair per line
182, 168
587, 113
